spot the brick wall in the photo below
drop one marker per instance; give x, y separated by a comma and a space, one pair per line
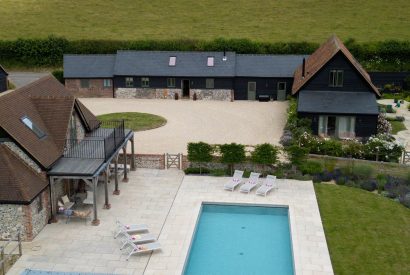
96, 88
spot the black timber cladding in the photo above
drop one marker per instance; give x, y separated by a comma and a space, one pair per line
337, 102
3, 79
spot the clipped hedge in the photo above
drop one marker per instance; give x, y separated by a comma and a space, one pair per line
384, 55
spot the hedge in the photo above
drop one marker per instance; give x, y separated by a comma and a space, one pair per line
388, 55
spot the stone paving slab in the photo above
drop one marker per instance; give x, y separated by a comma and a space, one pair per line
169, 204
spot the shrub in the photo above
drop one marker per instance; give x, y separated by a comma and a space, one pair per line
331, 147
297, 155
199, 152
341, 180
383, 147
59, 75
381, 180
353, 148
326, 176
383, 125
311, 167
232, 153
286, 139
362, 171
351, 183
196, 170
218, 172
369, 185
265, 154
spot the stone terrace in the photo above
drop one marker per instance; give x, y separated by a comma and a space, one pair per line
169, 204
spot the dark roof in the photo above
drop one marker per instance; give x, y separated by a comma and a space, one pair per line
18, 182
90, 120
156, 63
47, 104
337, 102
2, 69
88, 66
267, 65
322, 56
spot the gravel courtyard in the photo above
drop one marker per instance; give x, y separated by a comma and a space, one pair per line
245, 122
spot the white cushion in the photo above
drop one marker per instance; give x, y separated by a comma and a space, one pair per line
65, 199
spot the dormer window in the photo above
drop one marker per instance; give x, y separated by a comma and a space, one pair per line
172, 60
210, 61
33, 127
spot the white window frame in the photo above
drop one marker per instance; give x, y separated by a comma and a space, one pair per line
33, 127
336, 78
172, 61
107, 83
129, 82
144, 82
210, 83
171, 83
348, 133
210, 61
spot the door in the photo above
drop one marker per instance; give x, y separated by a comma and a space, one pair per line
281, 91
185, 88
251, 90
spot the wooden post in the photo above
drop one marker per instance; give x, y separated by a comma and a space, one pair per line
124, 151
19, 241
2, 261
133, 168
107, 204
116, 190
52, 200
96, 221
166, 161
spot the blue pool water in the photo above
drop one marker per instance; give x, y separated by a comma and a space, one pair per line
233, 239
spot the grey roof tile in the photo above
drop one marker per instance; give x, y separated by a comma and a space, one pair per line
89, 66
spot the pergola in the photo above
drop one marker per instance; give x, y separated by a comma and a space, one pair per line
87, 158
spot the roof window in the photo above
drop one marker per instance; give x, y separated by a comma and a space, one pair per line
172, 60
33, 127
210, 62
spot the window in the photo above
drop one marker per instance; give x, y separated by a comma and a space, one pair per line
336, 78
85, 83
129, 82
107, 83
172, 60
281, 86
209, 83
39, 203
37, 131
171, 82
210, 61
144, 82
337, 126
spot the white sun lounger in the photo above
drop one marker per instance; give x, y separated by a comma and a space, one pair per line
140, 248
137, 239
251, 183
129, 228
268, 184
235, 180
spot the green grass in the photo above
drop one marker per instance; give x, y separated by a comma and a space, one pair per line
366, 233
262, 20
397, 126
136, 121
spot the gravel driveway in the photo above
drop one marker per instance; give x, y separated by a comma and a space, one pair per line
214, 122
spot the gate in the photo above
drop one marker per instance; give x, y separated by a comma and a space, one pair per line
173, 161
6, 257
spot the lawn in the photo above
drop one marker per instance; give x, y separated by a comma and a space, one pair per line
397, 126
262, 20
366, 233
136, 121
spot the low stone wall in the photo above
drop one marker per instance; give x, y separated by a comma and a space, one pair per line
149, 161
212, 94
147, 93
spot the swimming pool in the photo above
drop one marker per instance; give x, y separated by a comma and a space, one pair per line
241, 239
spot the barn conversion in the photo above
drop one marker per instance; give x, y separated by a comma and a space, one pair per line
332, 88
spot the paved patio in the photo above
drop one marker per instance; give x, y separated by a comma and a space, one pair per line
169, 203
245, 122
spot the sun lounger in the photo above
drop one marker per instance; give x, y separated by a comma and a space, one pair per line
140, 248
137, 239
268, 184
251, 183
129, 228
235, 180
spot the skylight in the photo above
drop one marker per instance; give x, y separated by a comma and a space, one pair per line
172, 60
37, 131
210, 62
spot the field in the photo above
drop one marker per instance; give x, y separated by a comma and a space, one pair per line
366, 233
260, 20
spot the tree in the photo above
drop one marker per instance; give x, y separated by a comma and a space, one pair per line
232, 153
199, 152
265, 154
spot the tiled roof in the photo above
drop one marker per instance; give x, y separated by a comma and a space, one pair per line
18, 182
49, 107
320, 57
90, 120
89, 66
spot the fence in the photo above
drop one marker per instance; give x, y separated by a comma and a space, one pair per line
6, 257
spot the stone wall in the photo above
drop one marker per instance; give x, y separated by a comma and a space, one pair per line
147, 93
23, 156
30, 218
76, 128
96, 88
153, 93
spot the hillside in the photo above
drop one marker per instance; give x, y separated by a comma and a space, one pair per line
261, 20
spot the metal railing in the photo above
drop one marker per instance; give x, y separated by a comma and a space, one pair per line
84, 148
5, 257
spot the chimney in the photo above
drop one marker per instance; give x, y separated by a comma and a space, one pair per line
303, 68
224, 57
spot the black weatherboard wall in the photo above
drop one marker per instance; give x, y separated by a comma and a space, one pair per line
264, 86
3, 80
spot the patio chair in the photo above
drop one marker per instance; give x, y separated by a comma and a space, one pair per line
251, 183
129, 228
137, 239
235, 180
90, 198
66, 203
268, 184
140, 248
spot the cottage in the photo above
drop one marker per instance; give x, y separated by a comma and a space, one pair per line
3, 79
50, 146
